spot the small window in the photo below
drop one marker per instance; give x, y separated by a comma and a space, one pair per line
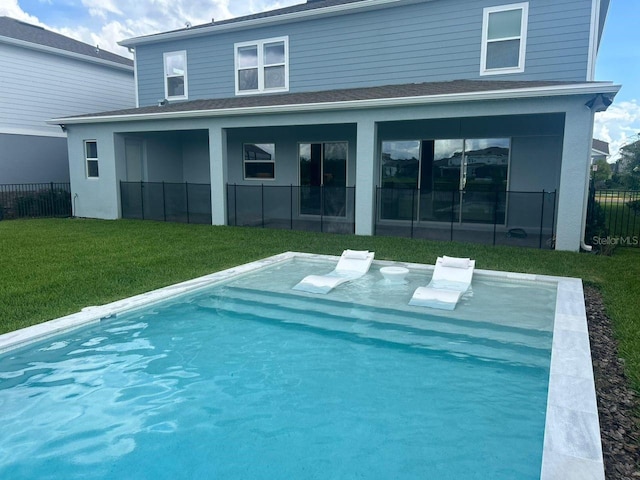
175, 75
262, 66
259, 161
504, 36
91, 157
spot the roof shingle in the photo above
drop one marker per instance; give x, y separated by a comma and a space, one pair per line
303, 7
12, 28
333, 96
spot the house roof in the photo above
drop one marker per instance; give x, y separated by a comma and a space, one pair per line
11, 28
311, 7
600, 146
366, 97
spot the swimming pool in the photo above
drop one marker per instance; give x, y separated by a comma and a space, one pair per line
242, 379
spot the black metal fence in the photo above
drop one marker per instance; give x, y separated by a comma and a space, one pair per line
613, 218
489, 217
292, 207
35, 200
497, 218
167, 202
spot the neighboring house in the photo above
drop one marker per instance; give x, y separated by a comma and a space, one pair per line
47, 75
599, 150
443, 114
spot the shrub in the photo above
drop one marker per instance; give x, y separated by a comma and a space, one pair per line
634, 206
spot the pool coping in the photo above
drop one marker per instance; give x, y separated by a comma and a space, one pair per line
572, 446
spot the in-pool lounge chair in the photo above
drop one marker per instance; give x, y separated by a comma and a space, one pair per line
451, 278
352, 264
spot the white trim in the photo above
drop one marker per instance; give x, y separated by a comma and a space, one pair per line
261, 66
34, 132
514, 94
259, 22
593, 40
135, 76
599, 152
87, 159
166, 76
65, 53
524, 21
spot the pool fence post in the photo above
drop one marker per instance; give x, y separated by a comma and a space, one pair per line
553, 217
262, 203
321, 208
142, 199
495, 215
453, 201
541, 220
186, 194
376, 211
164, 203
291, 207
413, 208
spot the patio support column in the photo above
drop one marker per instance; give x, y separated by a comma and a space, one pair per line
574, 177
218, 173
365, 176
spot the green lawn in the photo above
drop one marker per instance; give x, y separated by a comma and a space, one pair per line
53, 267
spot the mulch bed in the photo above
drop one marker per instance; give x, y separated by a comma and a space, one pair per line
618, 405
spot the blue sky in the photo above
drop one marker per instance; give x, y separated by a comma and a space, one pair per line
105, 22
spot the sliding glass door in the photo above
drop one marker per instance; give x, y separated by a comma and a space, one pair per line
484, 180
323, 178
445, 180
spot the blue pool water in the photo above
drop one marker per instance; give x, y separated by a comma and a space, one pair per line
232, 382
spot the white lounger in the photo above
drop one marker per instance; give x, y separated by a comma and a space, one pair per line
451, 278
352, 264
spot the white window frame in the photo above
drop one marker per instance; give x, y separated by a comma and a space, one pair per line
522, 37
259, 44
88, 159
167, 75
245, 161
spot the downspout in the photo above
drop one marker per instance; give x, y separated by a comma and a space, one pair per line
599, 103
132, 51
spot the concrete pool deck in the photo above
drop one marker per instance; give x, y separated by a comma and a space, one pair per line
572, 447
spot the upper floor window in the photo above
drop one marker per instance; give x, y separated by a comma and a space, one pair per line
91, 158
175, 75
262, 66
504, 38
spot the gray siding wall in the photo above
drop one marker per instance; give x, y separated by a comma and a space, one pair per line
32, 159
37, 87
435, 40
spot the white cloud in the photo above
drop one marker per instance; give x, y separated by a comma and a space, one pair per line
102, 8
106, 22
10, 8
619, 125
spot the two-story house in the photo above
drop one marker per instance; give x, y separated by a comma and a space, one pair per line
45, 75
450, 116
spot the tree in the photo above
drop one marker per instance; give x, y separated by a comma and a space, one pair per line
600, 172
630, 157
629, 166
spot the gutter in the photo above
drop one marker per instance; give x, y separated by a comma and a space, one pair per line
538, 92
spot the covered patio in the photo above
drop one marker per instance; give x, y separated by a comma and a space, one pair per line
499, 161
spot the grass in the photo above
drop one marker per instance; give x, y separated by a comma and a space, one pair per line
53, 267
